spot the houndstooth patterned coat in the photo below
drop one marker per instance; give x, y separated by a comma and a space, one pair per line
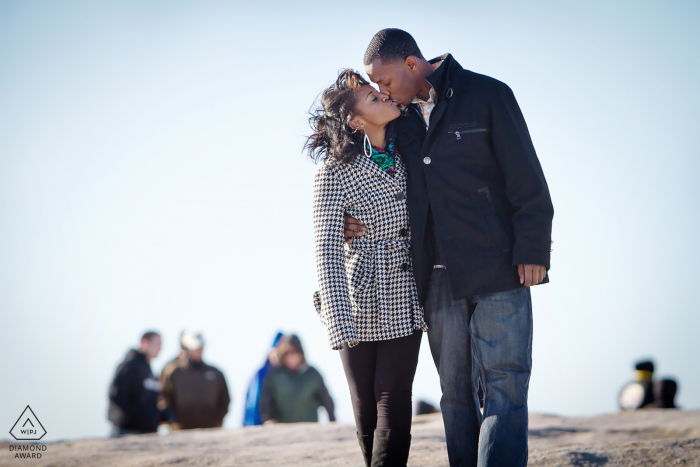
367, 289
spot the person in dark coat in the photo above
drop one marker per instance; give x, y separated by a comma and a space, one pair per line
196, 393
481, 219
133, 394
664, 394
251, 414
293, 391
647, 393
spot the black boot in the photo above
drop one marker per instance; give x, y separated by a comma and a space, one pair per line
366, 442
390, 448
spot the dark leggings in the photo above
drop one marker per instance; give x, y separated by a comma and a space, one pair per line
380, 375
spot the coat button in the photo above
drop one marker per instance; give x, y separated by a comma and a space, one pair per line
400, 195
404, 266
426, 160
403, 232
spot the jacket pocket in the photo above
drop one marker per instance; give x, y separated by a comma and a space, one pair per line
459, 133
359, 284
492, 221
358, 271
458, 130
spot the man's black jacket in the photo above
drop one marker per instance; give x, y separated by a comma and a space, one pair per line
476, 168
133, 395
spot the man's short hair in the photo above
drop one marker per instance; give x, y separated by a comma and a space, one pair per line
391, 45
149, 335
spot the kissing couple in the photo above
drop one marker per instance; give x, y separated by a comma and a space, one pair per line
431, 214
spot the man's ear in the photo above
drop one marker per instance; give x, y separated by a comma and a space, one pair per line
411, 63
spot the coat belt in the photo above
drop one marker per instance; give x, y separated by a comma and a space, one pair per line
377, 265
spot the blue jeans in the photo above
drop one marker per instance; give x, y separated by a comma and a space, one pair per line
487, 340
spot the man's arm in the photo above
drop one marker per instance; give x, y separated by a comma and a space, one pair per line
353, 228
166, 400
526, 187
123, 390
224, 400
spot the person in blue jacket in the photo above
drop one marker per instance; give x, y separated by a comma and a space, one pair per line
251, 415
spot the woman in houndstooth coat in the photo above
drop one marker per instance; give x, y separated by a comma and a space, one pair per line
367, 300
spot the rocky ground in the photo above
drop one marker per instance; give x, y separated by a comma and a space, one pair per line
644, 438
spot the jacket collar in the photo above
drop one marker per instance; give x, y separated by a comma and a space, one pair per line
440, 81
361, 161
440, 78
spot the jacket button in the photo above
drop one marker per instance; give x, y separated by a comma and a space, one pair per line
400, 195
403, 232
404, 267
426, 160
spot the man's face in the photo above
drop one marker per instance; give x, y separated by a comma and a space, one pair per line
196, 355
398, 80
151, 347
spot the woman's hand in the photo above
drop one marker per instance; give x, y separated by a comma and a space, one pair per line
353, 228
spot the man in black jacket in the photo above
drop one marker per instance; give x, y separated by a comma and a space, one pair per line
481, 219
133, 395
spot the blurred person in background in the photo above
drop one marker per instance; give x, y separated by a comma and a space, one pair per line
645, 392
133, 394
293, 391
195, 392
251, 415
664, 394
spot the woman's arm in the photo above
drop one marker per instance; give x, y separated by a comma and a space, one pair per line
325, 398
329, 206
267, 410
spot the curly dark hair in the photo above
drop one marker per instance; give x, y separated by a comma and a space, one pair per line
333, 136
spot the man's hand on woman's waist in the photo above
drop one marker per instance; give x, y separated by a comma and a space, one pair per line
353, 228
530, 274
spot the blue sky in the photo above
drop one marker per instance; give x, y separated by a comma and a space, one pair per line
151, 176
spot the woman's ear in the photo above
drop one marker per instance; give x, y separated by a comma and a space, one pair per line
357, 124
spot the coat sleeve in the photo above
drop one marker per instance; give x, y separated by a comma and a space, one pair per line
166, 400
224, 399
526, 186
124, 391
251, 413
335, 310
267, 411
325, 397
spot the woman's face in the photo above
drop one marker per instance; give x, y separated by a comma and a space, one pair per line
373, 108
293, 360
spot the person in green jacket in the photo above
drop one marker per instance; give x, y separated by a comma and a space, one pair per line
294, 391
